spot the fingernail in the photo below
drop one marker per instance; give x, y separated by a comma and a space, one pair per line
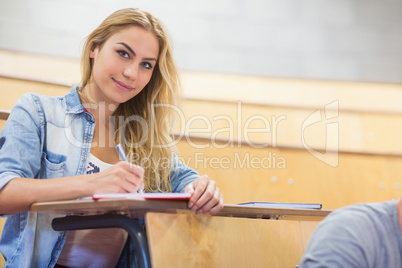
190, 204
198, 211
194, 208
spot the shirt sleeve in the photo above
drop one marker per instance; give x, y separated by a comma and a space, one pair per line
181, 176
20, 142
340, 240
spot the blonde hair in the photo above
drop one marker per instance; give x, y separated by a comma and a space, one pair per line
151, 105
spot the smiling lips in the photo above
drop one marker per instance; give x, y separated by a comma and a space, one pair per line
122, 86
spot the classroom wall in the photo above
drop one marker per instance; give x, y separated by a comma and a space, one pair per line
351, 157
287, 172
328, 39
270, 165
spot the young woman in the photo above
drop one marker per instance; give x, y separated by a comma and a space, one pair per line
58, 148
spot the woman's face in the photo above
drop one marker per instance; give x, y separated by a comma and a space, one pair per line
123, 66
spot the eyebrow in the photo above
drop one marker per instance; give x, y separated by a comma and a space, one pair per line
132, 51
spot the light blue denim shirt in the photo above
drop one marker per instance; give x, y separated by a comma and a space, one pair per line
48, 137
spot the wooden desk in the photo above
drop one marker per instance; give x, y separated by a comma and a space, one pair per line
132, 208
138, 208
239, 236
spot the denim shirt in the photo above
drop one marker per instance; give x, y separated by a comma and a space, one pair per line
48, 137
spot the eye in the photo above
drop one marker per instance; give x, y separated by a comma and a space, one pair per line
123, 53
147, 65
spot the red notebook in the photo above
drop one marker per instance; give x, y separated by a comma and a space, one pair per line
170, 196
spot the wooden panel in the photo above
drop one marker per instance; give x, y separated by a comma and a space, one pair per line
288, 92
202, 241
40, 67
307, 228
245, 174
279, 126
12, 89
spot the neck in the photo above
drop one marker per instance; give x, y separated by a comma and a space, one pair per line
101, 110
399, 210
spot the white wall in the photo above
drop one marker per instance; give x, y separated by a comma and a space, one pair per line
324, 39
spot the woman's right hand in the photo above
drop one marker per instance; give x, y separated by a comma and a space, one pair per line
19, 193
122, 177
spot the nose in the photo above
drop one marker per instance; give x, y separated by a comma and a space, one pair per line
131, 71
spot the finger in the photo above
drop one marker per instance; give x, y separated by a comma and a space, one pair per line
218, 207
137, 182
210, 203
199, 186
190, 189
133, 168
126, 171
123, 182
129, 187
205, 196
139, 170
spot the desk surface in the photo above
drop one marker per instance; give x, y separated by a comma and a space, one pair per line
138, 208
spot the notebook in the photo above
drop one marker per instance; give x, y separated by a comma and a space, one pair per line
170, 196
283, 205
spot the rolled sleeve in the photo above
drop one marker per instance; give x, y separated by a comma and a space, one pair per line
181, 176
20, 149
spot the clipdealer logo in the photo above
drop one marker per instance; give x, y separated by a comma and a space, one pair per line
331, 154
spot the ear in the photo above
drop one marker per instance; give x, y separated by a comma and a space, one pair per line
93, 51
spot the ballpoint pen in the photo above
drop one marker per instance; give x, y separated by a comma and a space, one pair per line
123, 156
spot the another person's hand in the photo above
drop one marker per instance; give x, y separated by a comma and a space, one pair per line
206, 197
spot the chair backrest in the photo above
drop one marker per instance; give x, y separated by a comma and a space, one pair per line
4, 114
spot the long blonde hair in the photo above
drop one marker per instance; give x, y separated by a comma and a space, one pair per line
152, 146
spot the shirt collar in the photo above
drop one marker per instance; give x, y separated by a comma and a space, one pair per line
73, 102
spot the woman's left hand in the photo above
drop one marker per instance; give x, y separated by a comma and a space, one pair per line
206, 197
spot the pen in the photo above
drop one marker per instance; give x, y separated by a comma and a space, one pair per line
123, 156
